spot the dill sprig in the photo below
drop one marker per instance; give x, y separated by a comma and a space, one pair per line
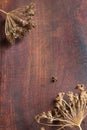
68, 113
18, 22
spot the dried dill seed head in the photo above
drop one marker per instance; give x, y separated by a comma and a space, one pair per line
18, 22
66, 113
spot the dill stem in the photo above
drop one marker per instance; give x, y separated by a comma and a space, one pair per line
80, 128
48, 124
3, 11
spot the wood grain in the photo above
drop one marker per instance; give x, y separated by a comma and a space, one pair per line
56, 47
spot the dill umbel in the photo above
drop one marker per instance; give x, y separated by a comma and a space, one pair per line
18, 22
68, 113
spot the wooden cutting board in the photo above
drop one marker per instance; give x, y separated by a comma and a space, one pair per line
57, 48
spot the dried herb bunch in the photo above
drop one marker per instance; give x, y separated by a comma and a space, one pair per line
18, 22
68, 113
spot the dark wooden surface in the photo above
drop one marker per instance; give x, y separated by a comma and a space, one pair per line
57, 47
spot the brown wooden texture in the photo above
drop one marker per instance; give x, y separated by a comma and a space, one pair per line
56, 47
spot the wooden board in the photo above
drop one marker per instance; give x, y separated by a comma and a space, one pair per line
56, 47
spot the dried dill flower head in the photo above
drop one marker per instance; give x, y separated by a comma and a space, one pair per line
18, 22
68, 113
